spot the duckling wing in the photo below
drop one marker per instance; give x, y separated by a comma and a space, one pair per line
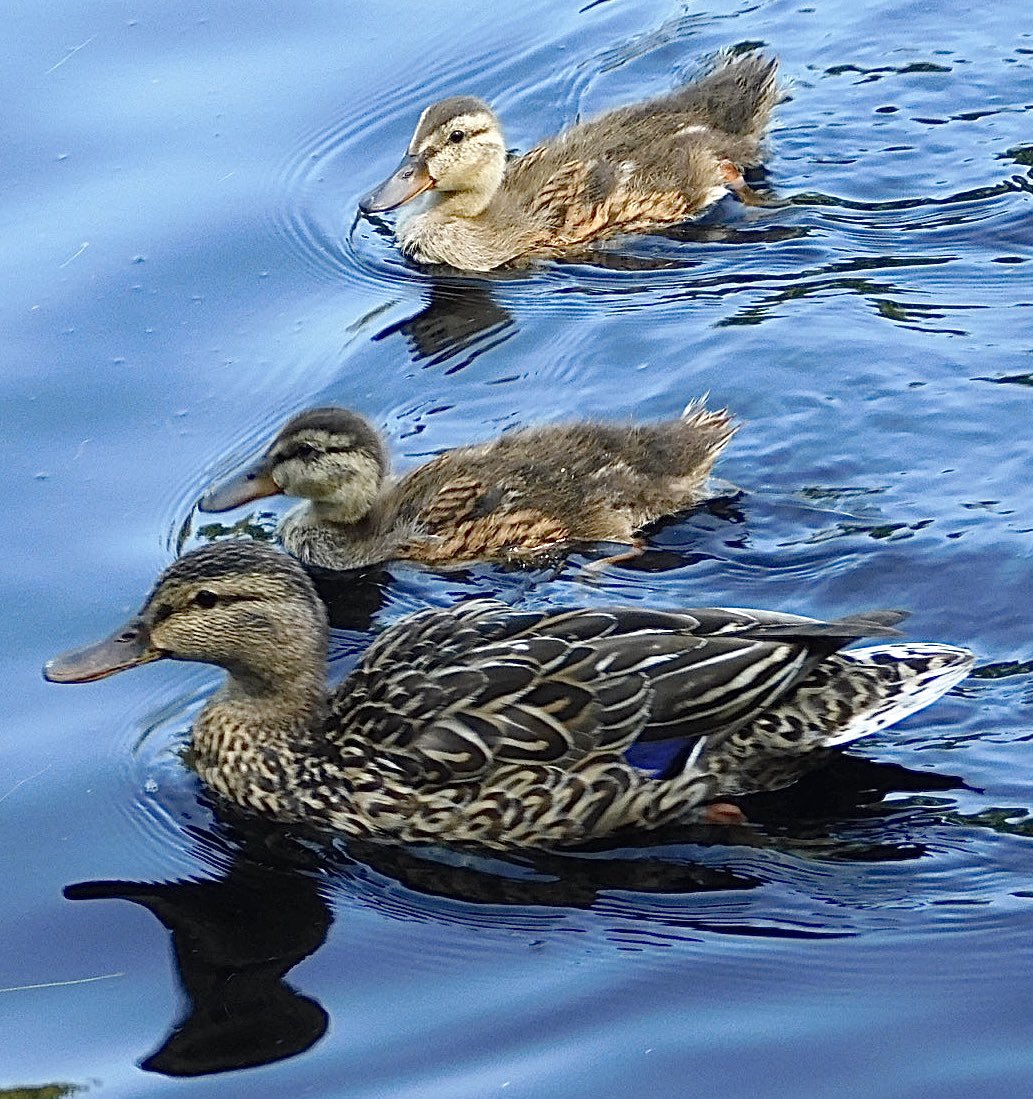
463, 506
450, 695
583, 198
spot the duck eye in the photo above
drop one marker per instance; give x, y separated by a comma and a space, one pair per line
206, 599
456, 136
304, 450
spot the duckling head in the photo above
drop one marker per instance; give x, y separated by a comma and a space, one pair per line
457, 150
331, 456
238, 604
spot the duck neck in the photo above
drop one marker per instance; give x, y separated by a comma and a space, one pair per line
253, 735
317, 535
360, 522
463, 204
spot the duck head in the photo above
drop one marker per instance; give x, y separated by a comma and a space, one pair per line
457, 151
330, 456
238, 604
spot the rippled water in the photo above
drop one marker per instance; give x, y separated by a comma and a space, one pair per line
185, 270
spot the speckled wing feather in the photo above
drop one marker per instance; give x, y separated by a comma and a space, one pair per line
440, 498
450, 695
584, 199
460, 517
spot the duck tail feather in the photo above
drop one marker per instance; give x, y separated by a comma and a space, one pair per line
738, 94
877, 623
910, 677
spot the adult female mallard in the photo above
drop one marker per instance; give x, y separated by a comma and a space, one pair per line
481, 724
632, 170
520, 497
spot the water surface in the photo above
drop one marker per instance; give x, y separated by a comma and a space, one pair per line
179, 187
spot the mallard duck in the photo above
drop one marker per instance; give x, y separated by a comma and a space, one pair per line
481, 724
632, 170
520, 497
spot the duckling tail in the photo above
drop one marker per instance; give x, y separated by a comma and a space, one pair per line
737, 95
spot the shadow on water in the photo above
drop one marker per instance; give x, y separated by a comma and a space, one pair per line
460, 318
235, 938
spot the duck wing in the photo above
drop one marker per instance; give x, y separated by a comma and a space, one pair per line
648, 164
450, 695
463, 509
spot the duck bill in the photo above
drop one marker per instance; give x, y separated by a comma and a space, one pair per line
251, 483
409, 179
125, 648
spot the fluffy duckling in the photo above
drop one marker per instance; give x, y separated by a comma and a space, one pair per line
480, 724
632, 170
521, 497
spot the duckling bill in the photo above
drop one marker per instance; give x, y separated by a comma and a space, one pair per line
632, 170
522, 497
483, 725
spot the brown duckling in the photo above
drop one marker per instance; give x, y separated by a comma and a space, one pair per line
487, 725
632, 170
521, 497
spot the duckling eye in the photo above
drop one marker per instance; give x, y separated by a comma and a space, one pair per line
456, 136
206, 599
304, 450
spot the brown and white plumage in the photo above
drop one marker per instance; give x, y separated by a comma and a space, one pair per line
481, 724
520, 497
632, 170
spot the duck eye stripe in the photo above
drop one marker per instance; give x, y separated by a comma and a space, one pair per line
299, 450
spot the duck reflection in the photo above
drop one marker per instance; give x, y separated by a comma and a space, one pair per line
235, 938
460, 318
233, 941
352, 597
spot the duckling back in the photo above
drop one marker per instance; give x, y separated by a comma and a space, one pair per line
728, 109
736, 97
531, 491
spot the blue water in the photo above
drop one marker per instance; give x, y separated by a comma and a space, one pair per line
178, 191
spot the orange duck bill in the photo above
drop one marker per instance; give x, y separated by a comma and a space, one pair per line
409, 179
125, 648
251, 483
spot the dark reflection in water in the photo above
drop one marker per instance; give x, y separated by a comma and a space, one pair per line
460, 316
235, 938
848, 787
353, 598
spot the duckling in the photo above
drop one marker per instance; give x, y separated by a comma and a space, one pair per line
521, 497
632, 170
484, 725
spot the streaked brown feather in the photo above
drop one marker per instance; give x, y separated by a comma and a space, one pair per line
483, 725
633, 169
